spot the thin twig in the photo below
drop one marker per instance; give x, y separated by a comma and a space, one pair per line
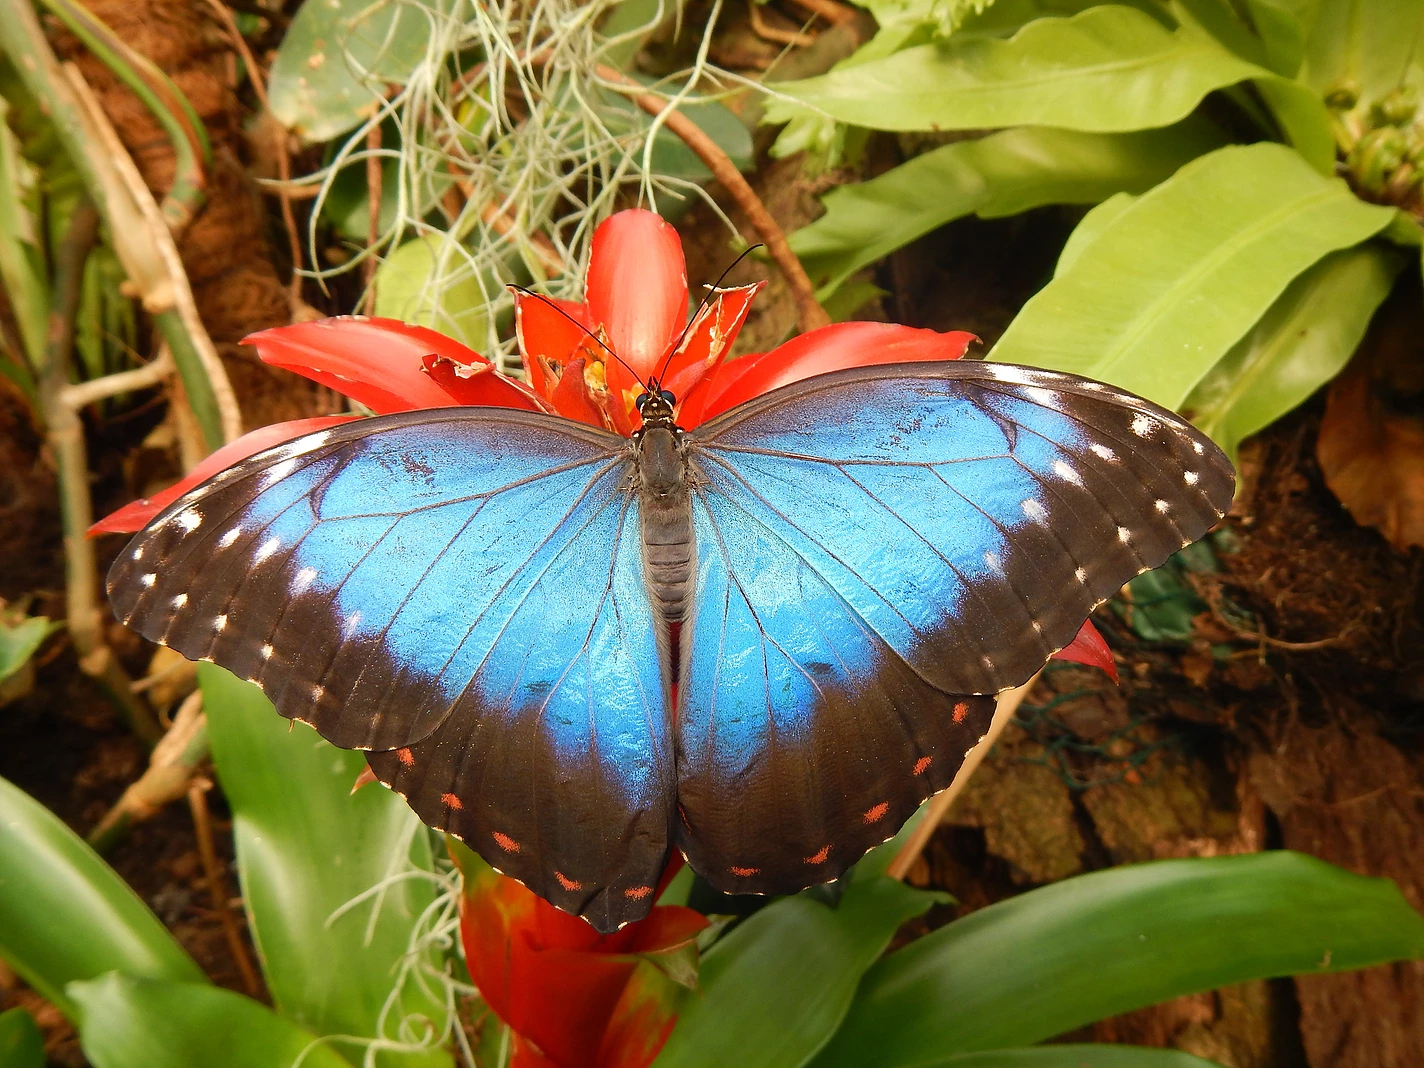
939, 805
80, 394
284, 160
809, 313
64, 433
146, 248
172, 767
766, 30
837, 14
373, 212
217, 886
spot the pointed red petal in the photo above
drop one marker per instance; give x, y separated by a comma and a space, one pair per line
479, 384
1090, 649
136, 514
831, 348
378, 362
709, 339
637, 291
570, 398
641, 1020
544, 332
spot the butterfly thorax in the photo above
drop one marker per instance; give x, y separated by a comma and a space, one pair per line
669, 555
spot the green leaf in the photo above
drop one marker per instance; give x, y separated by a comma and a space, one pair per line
306, 849
1002, 174
430, 282
1302, 342
1097, 945
125, 1022
1373, 44
798, 955
65, 914
1176, 279
1073, 1057
1283, 26
1090, 228
21, 1041
1111, 68
19, 641
335, 59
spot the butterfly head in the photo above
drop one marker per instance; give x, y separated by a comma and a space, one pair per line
656, 407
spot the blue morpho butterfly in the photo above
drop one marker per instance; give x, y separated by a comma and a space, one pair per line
762, 642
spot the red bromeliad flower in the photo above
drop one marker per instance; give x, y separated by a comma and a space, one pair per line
574, 998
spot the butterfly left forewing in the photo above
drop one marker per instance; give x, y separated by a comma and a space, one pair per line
457, 591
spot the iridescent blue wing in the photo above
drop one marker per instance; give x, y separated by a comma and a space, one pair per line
459, 591
873, 546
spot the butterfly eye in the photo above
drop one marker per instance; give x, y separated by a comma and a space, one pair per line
642, 401
668, 398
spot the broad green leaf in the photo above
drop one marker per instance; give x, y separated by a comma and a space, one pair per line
1284, 26
307, 848
430, 282
1073, 1057
1374, 45
1097, 945
1002, 174
1111, 68
65, 914
799, 956
670, 155
21, 1041
125, 1022
1090, 228
19, 641
336, 58
1184, 272
1301, 343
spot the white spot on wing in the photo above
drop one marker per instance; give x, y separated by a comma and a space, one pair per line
1141, 425
1192, 478
305, 577
316, 693
1045, 397
994, 563
1198, 448
1102, 451
1008, 373
1034, 510
266, 549
1124, 535
229, 537
189, 519
138, 553
266, 652
1065, 472
1081, 574
149, 579
180, 600
353, 621
1161, 506
220, 623
278, 471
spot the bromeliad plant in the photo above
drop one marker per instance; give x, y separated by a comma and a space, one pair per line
357, 941
1227, 280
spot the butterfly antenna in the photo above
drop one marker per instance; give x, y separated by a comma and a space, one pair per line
712, 290
592, 336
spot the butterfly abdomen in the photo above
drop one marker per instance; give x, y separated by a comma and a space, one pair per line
669, 553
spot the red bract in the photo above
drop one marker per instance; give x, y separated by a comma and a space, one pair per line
574, 998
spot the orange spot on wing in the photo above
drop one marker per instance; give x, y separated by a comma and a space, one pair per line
744, 871
922, 764
451, 801
878, 812
508, 844
960, 711
566, 882
820, 856
406, 757
637, 893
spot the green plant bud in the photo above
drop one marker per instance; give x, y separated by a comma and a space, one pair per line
1343, 95
1376, 156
